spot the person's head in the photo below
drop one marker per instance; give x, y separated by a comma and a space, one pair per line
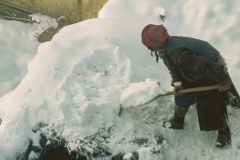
154, 37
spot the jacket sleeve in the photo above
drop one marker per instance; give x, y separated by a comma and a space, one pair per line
184, 59
174, 72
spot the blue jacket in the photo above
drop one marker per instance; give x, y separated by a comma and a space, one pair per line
198, 47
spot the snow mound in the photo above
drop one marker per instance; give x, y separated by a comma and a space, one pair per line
73, 84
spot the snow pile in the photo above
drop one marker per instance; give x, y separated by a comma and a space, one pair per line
73, 82
72, 87
140, 93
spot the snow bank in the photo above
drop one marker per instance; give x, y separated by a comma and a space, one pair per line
74, 80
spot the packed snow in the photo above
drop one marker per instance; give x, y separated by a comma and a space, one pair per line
147, 90
70, 88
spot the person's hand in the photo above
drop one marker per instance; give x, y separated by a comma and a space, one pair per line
177, 88
224, 86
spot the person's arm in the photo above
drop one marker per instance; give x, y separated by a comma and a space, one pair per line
175, 74
176, 77
185, 60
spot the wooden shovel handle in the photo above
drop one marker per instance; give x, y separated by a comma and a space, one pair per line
198, 89
188, 90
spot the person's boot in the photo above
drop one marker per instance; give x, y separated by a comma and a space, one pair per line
177, 121
224, 135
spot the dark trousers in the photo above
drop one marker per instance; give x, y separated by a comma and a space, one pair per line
211, 105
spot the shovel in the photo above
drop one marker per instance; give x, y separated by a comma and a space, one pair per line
188, 90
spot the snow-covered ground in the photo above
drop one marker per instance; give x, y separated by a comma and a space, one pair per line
70, 88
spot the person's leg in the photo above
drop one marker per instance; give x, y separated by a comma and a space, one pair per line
212, 114
177, 121
182, 103
224, 135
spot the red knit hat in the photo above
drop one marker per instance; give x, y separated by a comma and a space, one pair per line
154, 35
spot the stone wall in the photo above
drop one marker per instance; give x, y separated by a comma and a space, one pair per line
74, 10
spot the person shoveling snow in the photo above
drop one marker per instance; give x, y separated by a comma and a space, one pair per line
193, 63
